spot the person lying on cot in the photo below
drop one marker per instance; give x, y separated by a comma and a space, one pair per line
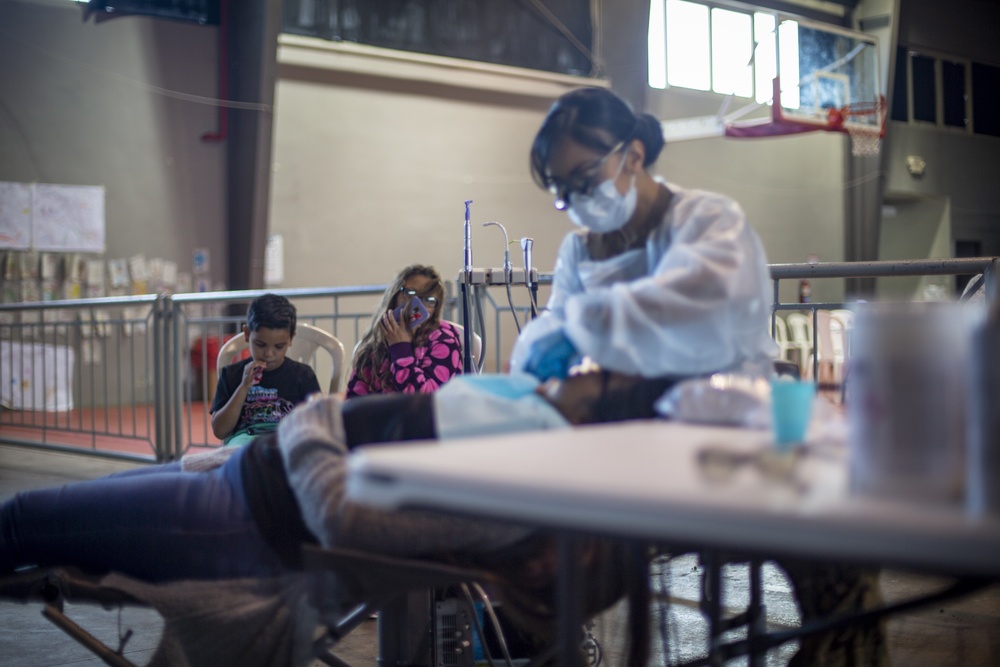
249, 516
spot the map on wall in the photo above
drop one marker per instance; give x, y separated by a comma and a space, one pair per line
68, 218
15, 215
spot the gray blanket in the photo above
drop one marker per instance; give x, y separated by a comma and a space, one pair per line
248, 622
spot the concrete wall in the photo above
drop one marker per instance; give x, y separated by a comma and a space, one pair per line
113, 104
371, 171
965, 28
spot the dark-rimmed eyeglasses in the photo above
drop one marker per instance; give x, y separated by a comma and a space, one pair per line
581, 181
426, 298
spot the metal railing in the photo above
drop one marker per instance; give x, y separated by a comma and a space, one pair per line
116, 376
133, 377
78, 374
988, 266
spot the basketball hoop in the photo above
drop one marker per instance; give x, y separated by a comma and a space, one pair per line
864, 123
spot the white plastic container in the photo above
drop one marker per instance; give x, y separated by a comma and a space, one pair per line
982, 493
907, 400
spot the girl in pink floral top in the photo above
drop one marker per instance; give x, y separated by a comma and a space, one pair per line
403, 356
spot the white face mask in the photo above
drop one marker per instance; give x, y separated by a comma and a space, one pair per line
606, 209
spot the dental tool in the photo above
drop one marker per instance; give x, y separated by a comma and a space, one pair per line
506, 250
527, 245
507, 271
466, 288
468, 241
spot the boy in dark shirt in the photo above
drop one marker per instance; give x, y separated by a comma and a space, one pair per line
254, 394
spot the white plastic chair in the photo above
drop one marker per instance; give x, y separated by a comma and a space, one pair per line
307, 341
828, 340
477, 342
780, 336
838, 337
846, 318
801, 337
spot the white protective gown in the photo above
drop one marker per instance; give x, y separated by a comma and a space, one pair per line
695, 300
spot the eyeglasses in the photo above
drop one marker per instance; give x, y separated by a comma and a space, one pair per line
720, 464
426, 298
582, 181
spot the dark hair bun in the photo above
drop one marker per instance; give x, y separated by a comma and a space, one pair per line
649, 131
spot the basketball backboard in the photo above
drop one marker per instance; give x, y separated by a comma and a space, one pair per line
827, 76
815, 76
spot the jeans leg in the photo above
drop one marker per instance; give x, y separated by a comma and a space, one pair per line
154, 469
170, 525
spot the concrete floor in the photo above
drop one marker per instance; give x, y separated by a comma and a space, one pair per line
965, 632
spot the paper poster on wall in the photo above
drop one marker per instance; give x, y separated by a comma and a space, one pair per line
118, 273
15, 215
199, 261
34, 376
29, 265
12, 266
95, 272
138, 269
168, 276
274, 260
67, 217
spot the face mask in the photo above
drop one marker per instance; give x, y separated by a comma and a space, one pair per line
606, 209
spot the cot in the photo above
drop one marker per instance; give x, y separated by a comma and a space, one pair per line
290, 620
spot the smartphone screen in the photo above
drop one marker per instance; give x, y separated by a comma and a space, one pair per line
418, 312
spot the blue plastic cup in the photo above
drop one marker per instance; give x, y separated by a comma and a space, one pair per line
791, 410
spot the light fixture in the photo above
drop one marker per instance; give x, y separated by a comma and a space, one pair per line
915, 165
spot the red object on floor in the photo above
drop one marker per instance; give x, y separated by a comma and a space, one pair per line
205, 351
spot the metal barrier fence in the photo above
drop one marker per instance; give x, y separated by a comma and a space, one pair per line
79, 375
988, 266
133, 377
130, 377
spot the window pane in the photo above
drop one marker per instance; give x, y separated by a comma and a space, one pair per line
953, 93
900, 88
657, 46
985, 105
764, 63
788, 42
731, 49
687, 45
924, 96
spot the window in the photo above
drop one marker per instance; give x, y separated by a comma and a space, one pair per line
985, 106
732, 46
924, 93
205, 12
953, 93
701, 46
554, 36
937, 90
688, 45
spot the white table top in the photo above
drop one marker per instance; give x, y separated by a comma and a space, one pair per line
642, 479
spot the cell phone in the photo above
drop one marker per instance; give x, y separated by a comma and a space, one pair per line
418, 312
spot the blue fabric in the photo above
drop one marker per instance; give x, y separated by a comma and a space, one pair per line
512, 385
156, 524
